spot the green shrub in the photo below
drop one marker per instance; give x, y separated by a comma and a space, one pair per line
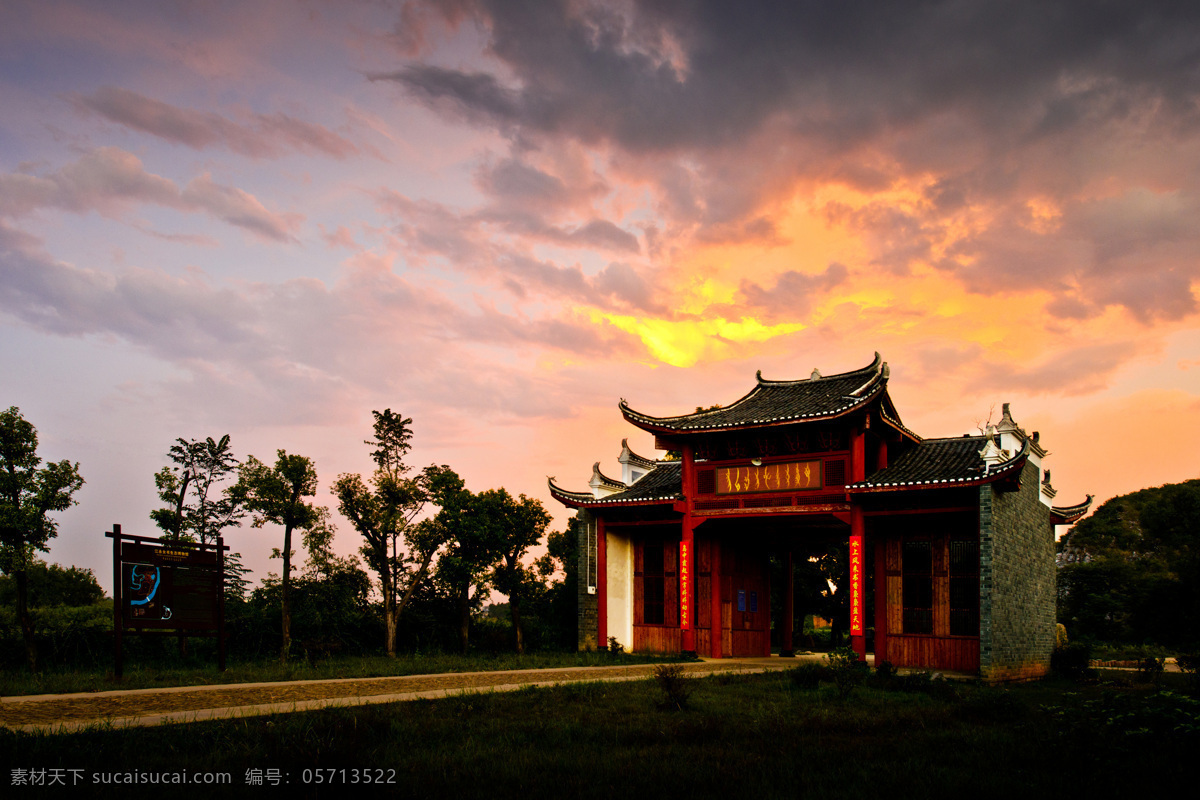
675, 687
1149, 669
1189, 664
928, 683
1072, 661
809, 675
848, 671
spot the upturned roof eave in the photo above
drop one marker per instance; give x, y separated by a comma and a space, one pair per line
567, 497
1066, 515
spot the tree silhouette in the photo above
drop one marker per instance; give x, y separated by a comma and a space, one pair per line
28, 493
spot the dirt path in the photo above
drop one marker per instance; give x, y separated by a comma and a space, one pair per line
70, 712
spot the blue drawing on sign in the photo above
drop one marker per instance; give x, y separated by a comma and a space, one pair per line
741, 599
143, 583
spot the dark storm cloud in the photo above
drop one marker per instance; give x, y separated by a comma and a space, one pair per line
723, 105
837, 70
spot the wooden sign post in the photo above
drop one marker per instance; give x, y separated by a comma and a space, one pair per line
163, 587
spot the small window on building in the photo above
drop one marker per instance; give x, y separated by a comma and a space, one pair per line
653, 584
964, 588
917, 569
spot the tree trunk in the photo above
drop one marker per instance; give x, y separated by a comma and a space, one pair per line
25, 619
286, 601
187, 477
464, 617
413, 583
514, 607
389, 606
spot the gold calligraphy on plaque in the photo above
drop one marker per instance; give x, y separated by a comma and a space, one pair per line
789, 476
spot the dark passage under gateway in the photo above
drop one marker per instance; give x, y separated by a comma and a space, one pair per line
955, 536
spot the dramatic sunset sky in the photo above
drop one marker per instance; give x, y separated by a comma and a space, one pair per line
499, 218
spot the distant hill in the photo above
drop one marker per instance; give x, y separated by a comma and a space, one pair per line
1131, 571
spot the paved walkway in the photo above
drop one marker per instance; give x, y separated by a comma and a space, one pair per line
64, 713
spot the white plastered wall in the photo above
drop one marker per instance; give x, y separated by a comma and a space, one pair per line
618, 558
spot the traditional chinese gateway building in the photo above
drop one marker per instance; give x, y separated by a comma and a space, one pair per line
951, 541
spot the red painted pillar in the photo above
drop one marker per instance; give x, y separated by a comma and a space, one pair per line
687, 554
602, 587
880, 599
766, 602
789, 609
858, 469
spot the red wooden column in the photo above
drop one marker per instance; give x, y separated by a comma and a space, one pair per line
880, 597
718, 632
789, 609
687, 555
766, 602
858, 470
602, 588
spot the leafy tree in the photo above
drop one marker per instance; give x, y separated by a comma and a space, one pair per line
276, 495
200, 467
1138, 575
520, 525
197, 507
52, 585
556, 601
473, 546
28, 493
384, 514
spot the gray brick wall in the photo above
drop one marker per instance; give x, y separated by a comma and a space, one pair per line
1016, 581
588, 609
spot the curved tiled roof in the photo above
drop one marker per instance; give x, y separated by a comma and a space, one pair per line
936, 463
664, 484
774, 402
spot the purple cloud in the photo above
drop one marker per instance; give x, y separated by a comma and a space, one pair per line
108, 180
264, 136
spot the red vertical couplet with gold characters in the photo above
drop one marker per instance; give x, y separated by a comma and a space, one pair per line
856, 586
685, 586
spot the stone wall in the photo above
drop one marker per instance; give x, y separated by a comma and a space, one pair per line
588, 618
1016, 581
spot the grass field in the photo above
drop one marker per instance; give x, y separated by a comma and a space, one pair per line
202, 672
740, 736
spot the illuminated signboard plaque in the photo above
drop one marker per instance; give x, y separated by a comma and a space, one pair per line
856, 586
790, 476
685, 586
